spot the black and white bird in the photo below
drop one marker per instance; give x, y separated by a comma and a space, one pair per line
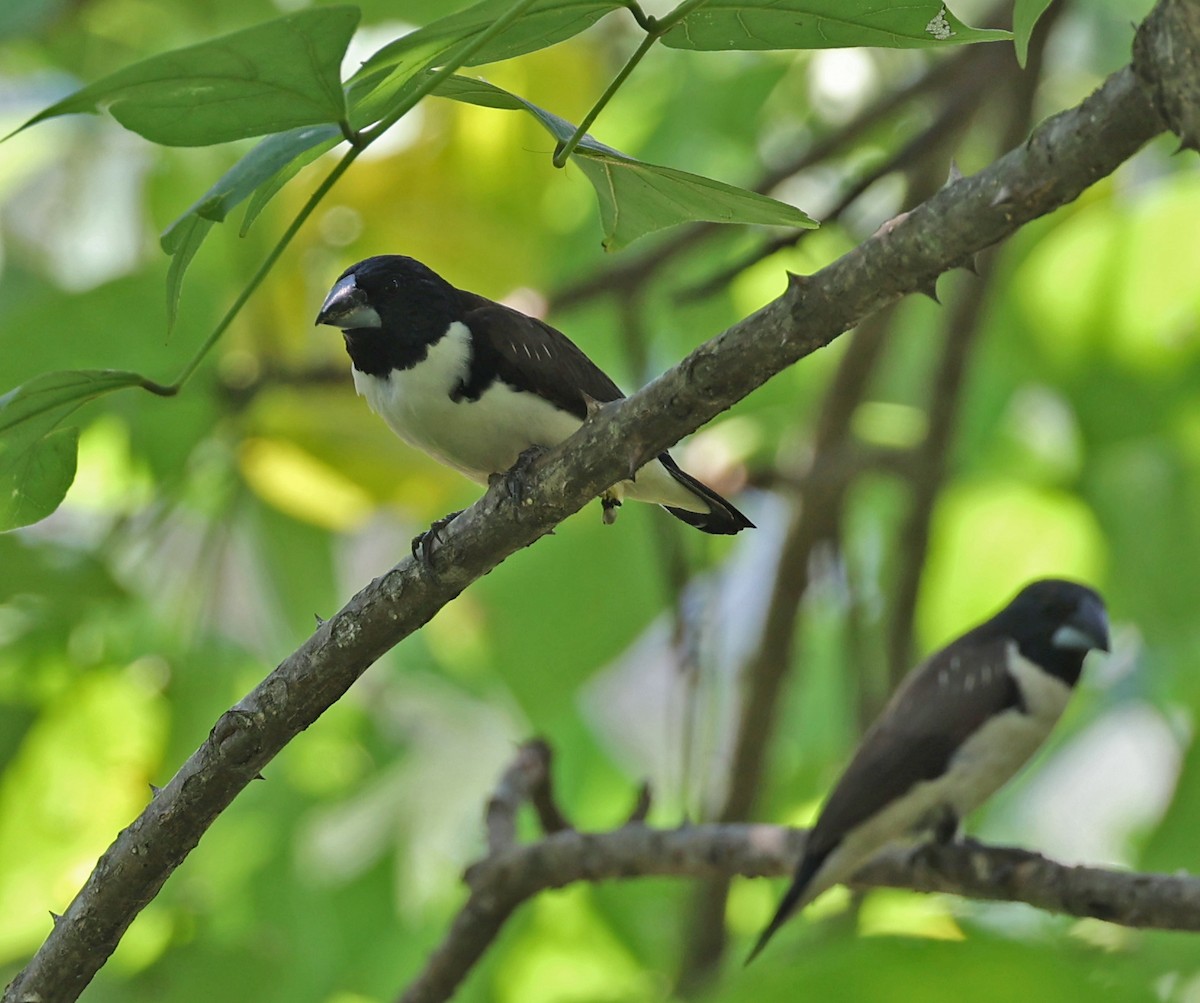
959, 726
474, 383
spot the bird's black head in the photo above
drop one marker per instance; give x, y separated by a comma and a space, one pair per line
391, 309
1055, 623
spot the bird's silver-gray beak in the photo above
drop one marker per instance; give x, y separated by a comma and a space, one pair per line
346, 306
1085, 629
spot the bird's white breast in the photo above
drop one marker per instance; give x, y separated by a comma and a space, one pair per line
1004, 743
476, 437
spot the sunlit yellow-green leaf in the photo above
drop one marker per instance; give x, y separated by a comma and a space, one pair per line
82, 773
989, 539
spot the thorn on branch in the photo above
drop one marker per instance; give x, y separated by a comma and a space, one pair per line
795, 281
930, 289
592, 407
641, 806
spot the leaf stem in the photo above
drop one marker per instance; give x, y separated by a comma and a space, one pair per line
565, 149
358, 142
655, 28
644, 20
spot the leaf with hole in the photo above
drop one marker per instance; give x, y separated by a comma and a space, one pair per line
823, 24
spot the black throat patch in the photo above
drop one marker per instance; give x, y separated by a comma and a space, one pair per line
375, 352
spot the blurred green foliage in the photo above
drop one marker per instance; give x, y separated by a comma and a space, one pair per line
202, 533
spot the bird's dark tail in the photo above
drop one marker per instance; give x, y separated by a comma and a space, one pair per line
795, 898
721, 518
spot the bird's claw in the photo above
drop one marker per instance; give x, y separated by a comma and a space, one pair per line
423, 544
516, 478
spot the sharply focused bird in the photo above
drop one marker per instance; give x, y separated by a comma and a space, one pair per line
474, 383
959, 726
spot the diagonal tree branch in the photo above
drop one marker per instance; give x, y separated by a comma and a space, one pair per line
1064, 156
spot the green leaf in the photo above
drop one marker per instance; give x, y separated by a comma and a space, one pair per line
37, 461
42, 400
1026, 14
182, 242
268, 157
35, 476
382, 77
261, 172
822, 24
635, 197
638, 198
316, 141
269, 78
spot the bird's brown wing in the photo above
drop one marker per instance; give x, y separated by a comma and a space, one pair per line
911, 741
530, 355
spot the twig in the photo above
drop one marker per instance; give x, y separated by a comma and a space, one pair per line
542, 798
527, 772
641, 805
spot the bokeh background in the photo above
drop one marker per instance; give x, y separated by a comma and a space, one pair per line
906, 482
